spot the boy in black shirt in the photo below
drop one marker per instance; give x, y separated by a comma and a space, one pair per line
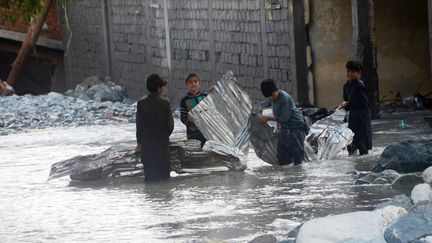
356, 101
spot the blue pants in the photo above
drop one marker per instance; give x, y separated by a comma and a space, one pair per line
291, 146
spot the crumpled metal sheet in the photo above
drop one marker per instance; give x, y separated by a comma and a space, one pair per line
224, 114
330, 135
264, 139
121, 160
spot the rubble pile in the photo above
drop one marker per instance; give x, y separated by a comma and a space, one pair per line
89, 104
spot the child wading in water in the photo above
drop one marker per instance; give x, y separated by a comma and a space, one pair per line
192, 98
293, 127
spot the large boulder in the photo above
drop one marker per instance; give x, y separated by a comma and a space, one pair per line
264, 239
427, 175
399, 201
362, 226
410, 227
406, 157
421, 192
385, 177
421, 206
405, 183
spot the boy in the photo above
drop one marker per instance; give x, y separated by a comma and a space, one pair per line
154, 124
192, 98
356, 101
293, 127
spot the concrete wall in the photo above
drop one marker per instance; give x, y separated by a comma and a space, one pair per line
330, 33
207, 37
85, 54
402, 40
138, 43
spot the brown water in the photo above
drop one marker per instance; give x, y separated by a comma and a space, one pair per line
233, 206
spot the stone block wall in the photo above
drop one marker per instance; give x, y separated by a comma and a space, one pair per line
206, 37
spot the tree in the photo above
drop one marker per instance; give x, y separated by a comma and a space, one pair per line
33, 12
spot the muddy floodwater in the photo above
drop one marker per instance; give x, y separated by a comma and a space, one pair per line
230, 206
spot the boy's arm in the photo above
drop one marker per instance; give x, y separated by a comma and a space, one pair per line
139, 129
170, 120
264, 119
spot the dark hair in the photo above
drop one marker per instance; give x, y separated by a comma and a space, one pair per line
354, 66
154, 81
268, 86
192, 75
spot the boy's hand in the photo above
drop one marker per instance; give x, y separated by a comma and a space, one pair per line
263, 120
138, 148
190, 119
344, 104
211, 89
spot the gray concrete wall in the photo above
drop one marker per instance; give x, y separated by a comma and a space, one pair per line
402, 40
207, 37
85, 53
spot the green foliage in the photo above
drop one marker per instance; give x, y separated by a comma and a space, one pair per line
20, 10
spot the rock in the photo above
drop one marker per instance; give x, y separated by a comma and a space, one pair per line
368, 179
288, 241
94, 88
92, 80
351, 240
294, 232
420, 206
362, 225
264, 239
427, 239
18, 113
357, 174
399, 201
405, 183
421, 192
410, 227
384, 177
427, 175
406, 157
380, 181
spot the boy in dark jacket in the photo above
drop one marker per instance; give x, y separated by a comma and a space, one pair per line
154, 125
192, 98
356, 102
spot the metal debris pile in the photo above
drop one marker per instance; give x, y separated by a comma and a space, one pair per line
120, 160
330, 135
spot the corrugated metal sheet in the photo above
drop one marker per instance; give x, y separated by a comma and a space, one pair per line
224, 114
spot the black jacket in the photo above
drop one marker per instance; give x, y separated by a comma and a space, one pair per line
359, 118
154, 125
356, 95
